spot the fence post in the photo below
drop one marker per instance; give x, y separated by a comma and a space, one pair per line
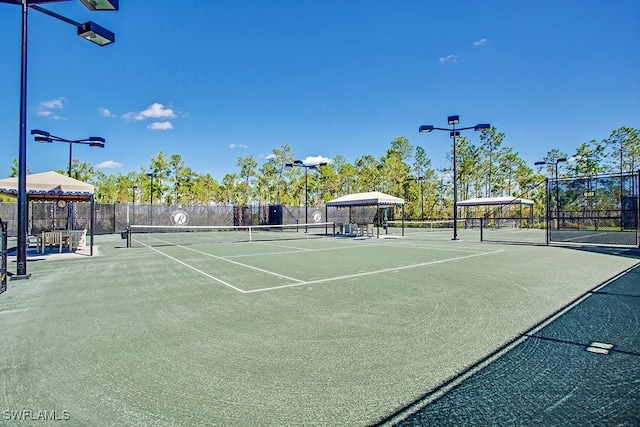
548, 211
3, 256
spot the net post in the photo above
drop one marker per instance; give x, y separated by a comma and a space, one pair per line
128, 236
481, 229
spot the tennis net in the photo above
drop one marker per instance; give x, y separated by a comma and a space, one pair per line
160, 235
395, 227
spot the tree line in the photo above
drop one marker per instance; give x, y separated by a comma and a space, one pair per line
487, 169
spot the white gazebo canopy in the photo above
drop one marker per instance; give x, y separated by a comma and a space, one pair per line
49, 186
53, 186
371, 198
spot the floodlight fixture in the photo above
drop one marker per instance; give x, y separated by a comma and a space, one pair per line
96, 141
101, 5
425, 128
96, 34
482, 126
453, 120
40, 133
46, 137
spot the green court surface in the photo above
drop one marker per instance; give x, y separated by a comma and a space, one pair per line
323, 331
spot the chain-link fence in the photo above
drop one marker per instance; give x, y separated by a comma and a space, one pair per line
3, 256
598, 210
516, 221
113, 218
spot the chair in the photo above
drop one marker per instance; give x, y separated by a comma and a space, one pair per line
51, 238
369, 230
78, 239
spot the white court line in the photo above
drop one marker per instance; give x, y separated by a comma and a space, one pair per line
221, 259
352, 244
294, 250
194, 269
431, 247
587, 236
282, 276
369, 273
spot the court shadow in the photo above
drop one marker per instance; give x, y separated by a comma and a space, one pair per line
608, 250
580, 366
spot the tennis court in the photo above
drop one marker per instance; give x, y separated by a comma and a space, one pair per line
307, 330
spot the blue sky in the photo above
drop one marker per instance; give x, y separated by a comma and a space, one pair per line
216, 80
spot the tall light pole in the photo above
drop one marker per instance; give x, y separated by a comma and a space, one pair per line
46, 137
151, 175
421, 179
300, 163
454, 133
133, 194
555, 165
89, 31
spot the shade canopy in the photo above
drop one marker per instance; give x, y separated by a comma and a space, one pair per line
49, 186
370, 198
495, 201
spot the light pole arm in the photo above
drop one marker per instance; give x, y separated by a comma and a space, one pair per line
55, 15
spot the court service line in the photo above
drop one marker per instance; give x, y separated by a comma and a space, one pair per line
294, 250
195, 269
370, 273
282, 276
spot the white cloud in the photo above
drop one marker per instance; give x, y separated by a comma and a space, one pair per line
160, 126
480, 42
109, 164
233, 146
449, 58
53, 104
315, 160
105, 112
155, 111
45, 108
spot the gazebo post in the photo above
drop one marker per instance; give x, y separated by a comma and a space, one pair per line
92, 222
378, 222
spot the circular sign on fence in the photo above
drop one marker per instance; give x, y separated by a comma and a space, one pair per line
317, 216
179, 217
